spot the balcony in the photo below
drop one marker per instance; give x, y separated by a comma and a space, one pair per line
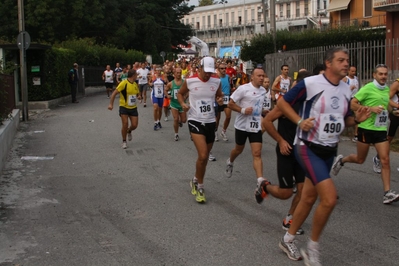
386, 5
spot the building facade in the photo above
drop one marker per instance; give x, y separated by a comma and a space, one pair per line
240, 21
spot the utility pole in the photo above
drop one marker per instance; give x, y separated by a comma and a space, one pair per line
272, 8
23, 43
264, 8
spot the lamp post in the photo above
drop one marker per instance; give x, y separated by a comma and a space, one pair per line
224, 2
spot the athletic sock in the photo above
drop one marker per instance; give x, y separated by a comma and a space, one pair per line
288, 218
288, 237
313, 245
260, 179
200, 185
195, 179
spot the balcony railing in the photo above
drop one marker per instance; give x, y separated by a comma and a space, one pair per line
386, 4
376, 21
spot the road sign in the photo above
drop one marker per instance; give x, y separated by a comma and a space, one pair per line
162, 54
23, 40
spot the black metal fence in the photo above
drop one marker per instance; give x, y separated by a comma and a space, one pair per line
93, 76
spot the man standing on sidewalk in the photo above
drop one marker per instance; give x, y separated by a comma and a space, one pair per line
374, 95
73, 78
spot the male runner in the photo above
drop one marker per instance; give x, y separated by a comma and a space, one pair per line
226, 90
108, 77
282, 83
142, 74
157, 97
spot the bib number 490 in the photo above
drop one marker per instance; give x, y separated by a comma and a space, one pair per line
332, 128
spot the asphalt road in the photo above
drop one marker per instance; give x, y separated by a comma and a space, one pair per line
94, 203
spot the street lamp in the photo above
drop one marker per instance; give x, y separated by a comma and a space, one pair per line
224, 2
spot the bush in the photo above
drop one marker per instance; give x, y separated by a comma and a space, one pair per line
261, 44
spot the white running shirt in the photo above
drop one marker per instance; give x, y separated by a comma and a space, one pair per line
202, 99
142, 73
109, 76
248, 96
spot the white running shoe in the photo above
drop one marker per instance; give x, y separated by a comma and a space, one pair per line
211, 157
223, 135
129, 136
166, 119
337, 165
124, 145
311, 257
229, 169
290, 249
390, 196
376, 165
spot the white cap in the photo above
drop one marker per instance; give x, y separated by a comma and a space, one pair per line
208, 64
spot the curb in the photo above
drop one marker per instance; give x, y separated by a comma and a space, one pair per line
7, 134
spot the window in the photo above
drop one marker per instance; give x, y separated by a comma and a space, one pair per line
198, 26
281, 10
245, 16
203, 21
306, 7
221, 22
187, 21
209, 21
324, 4
232, 17
252, 14
227, 19
298, 10
215, 20
368, 8
288, 10
239, 20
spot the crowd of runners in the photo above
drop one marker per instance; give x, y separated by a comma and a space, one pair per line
312, 111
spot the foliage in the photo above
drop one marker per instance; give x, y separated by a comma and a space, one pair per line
90, 54
150, 26
205, 2
261, 44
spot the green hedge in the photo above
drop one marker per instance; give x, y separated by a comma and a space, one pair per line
261, 44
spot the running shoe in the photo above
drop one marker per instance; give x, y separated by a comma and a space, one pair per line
337, 164
311, 257
211, 157
176, 137
376, 165
354, 139
166, 119
229, 169
286, 226
200, 197
261, 191
223, 135
159, 125
145, 105
390, 196
156, 127
294, 187
180, 124
129, 136
216, 136
290, 249
124, 145
194, 187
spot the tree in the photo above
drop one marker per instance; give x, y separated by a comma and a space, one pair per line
205, 2
146, 25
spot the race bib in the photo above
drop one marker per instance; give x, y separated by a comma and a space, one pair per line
175, 94
266, 103
331, 126
204, 108
158, 91
226, 99
253, 124
381, 120
132, 100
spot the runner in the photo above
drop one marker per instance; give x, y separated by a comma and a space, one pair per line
127, 105
179, 116
225, 81
374, 95
282, 83
248, 100
353, 83
267, 102
202, 90
157, 97
118, 71
320, 121
142, 74
289, 171
122, 76
108, 77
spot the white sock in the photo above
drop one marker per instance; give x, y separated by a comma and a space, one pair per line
313, 245
288, 218
176, 134
260, 179
200, 185
195, 179
288, 237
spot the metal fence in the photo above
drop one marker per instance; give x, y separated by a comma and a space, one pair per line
7, 94
93, 76
364, 55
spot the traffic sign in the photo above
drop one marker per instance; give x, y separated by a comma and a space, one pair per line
23, 40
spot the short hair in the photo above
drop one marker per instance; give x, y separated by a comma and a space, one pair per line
318, 68
302, 75
379, 66
330, 53
284, 66
253, 70
131, 73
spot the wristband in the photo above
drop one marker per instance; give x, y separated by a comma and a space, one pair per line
243, 111
300, 121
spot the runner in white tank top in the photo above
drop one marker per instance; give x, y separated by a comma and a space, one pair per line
203, 90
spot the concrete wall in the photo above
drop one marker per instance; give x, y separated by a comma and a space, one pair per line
7, 134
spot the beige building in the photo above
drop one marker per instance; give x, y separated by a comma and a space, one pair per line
243, 19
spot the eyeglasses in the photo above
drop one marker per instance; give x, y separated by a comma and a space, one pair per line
221, 68
381, 65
